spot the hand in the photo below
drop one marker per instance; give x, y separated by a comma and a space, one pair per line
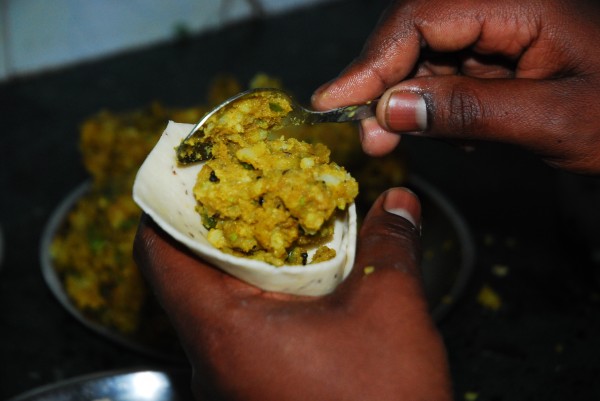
371, 339
525, 72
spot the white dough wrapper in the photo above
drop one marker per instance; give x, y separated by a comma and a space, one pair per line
164, 190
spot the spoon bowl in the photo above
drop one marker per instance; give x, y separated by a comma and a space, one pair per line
193, 149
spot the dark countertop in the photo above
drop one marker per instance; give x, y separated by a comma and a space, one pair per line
543, 344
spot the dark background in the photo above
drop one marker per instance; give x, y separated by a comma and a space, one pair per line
543, 343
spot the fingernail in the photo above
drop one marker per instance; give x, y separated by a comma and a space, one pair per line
406, 112
404, 203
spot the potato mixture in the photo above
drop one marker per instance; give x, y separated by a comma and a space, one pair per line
267, 198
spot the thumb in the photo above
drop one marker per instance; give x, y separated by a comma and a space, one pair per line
386, 273
536, 114
389, 236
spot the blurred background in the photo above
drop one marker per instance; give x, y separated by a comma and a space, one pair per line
38, 35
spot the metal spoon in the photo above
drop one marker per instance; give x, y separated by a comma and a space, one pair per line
193, 149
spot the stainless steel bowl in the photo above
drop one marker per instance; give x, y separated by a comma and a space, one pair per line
125, 385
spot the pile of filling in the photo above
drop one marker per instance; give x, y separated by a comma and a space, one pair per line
263, 196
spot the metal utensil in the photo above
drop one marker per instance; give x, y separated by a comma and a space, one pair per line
192, 150
118, 385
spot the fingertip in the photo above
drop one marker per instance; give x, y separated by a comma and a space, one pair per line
321, 96
357, 84
375, 140
338, 92
404, 203
389, 236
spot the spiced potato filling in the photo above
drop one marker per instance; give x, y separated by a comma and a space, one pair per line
265, 196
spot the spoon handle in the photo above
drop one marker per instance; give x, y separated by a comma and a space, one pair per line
342, 114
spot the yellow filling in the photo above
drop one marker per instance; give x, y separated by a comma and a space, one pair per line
267, 198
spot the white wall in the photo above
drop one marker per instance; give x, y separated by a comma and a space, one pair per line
36, 35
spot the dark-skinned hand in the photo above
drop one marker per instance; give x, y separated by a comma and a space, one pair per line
371, 339
525, 72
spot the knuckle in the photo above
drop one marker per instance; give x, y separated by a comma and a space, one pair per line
392, 238
388, 225
465, 112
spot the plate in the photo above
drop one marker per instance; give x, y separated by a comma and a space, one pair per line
166, 347
128, 385
448, 257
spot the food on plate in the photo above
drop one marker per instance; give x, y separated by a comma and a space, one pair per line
92, 251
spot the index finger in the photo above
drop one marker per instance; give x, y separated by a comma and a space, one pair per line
388, 56
180, 281
392, 51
